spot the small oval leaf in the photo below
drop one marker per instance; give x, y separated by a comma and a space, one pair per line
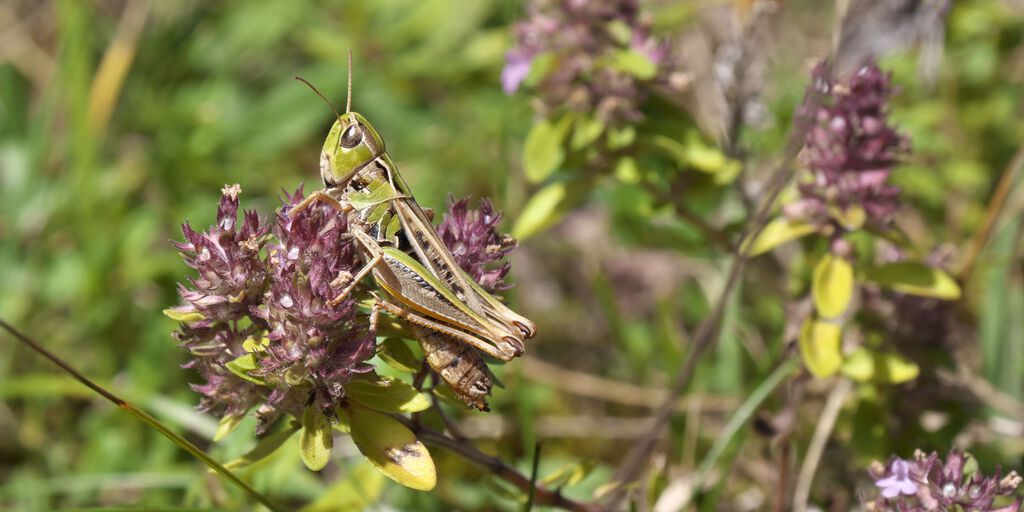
543, 152
832, 286
859, 365
915, 279
244, 364
819, 347
776, 233
397, 354
316, 440
540, 212
392, 448
634, 63
388, 395
586, 130
865, 365
184, 314
226, 426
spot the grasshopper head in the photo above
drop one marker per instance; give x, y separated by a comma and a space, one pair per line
351, 144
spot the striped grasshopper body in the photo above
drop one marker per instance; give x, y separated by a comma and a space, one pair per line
448, 311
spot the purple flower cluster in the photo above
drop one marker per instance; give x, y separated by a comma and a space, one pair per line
258, 319
929, 483
850, 150
582, 39
472, 237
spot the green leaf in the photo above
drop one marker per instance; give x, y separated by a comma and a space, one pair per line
568, 475
184, 314
255, 343
244, 364
695, 154
397, 354
832, 286
626, 170
264, 448
915, 279
865, 365
543, 152
541, 66
586, 130
388, 395
775, 233
392, 448
226, 426
621, 32
819, 347
540, 212
317, 439
360, 490
634, 63
619, 138
851, 218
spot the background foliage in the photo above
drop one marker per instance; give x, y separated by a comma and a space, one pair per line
118, 120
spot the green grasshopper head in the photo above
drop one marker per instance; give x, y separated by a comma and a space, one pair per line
351, 144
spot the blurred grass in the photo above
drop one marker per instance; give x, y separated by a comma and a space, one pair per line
101, 160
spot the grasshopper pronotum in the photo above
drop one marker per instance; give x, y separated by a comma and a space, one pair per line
399, 247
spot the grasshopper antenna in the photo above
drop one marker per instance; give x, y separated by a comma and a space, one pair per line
348, 103
335, 110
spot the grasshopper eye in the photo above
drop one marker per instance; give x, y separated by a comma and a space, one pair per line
352, 137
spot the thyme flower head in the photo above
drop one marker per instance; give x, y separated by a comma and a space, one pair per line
929, 483
472, 237
850, 150
590, 53
259, 322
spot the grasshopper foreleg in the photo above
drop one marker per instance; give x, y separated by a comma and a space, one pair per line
363, 272
322, 195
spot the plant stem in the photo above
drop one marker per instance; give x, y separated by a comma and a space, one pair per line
542, 496
143, 416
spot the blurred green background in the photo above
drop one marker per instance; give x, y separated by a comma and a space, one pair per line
121, 119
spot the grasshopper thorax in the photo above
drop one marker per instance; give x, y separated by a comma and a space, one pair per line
351, 144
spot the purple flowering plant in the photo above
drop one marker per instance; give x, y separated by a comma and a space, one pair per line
850, 150
262, 333
929, 483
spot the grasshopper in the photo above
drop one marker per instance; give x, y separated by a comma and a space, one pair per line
421, 283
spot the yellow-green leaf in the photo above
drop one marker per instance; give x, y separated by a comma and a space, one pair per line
397, 354
852, 217
864, 365
264, 448
915, 279
317, 439
387, 394
626, 170
392, 448
540, 212
226, 426
819, 347
543, 152
634, 63
242, 365
255, 343
832, 286
860, 365
619, 138
586, 130
184, 314
776, 233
